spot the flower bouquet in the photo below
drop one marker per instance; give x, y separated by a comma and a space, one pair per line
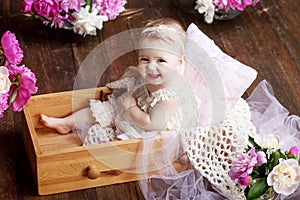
265, 170
83, 16
210, 7
17, 83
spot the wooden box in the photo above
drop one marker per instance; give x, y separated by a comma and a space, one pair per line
60, 163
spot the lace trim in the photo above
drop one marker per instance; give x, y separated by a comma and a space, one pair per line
145, 101
127, 83
162, 95
174, 122
212, 149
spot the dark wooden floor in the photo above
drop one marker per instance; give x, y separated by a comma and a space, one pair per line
266, 37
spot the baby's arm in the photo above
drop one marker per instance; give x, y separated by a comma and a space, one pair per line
157, 119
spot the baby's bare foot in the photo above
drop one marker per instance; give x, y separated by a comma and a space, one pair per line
56, 123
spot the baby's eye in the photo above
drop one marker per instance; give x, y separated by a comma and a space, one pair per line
144, 59
161, 60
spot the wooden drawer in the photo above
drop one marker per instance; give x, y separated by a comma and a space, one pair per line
60, 163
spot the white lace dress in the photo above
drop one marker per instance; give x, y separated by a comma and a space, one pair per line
113, 120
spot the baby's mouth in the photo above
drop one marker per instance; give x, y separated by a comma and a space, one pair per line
153, 76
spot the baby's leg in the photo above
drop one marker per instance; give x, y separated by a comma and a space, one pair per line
66, 124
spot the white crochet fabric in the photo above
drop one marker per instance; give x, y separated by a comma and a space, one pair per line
212, 149
102, 131
103, 112
97, 135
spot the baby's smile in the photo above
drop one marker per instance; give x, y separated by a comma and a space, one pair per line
152, 76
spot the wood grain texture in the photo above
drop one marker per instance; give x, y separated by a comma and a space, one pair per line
265, 37
60, 163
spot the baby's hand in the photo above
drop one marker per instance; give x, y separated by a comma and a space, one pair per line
132, 100
127, 100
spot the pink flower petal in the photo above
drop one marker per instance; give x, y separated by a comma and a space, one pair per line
11, 48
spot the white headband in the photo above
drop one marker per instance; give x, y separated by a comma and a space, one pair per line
166, 33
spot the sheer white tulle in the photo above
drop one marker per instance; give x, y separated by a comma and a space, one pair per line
167, 183
268, 116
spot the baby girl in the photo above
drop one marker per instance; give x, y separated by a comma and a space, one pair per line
151, 102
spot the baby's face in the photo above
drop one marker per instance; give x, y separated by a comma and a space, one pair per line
157, 66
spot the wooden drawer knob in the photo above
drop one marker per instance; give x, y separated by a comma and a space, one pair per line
92, 172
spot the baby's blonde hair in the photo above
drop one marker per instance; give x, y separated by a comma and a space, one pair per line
167, 30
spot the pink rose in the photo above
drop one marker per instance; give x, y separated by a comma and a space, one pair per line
46, 8
11, 48
26, 86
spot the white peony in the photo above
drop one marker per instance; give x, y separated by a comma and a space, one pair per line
86, 22
4, 80
285, 177
271, 142
206, 7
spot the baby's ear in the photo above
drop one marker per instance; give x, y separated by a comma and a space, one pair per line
181, 61
181, 64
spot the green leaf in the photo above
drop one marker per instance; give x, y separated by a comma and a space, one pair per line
89, 3
258, 188
27, 15
13, 95
276, 158
251, 140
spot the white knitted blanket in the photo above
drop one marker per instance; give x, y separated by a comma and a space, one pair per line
212, 149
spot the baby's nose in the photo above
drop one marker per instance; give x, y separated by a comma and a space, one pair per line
152, 65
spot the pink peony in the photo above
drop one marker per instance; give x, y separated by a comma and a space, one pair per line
11, 48
294, 151
27, 6
258, 157
221, 4
250, 2
56, 21
234, 4
25, 88
3, 103
110, 8
46, 8
67, 5
285, 177
244, 181
243, 165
